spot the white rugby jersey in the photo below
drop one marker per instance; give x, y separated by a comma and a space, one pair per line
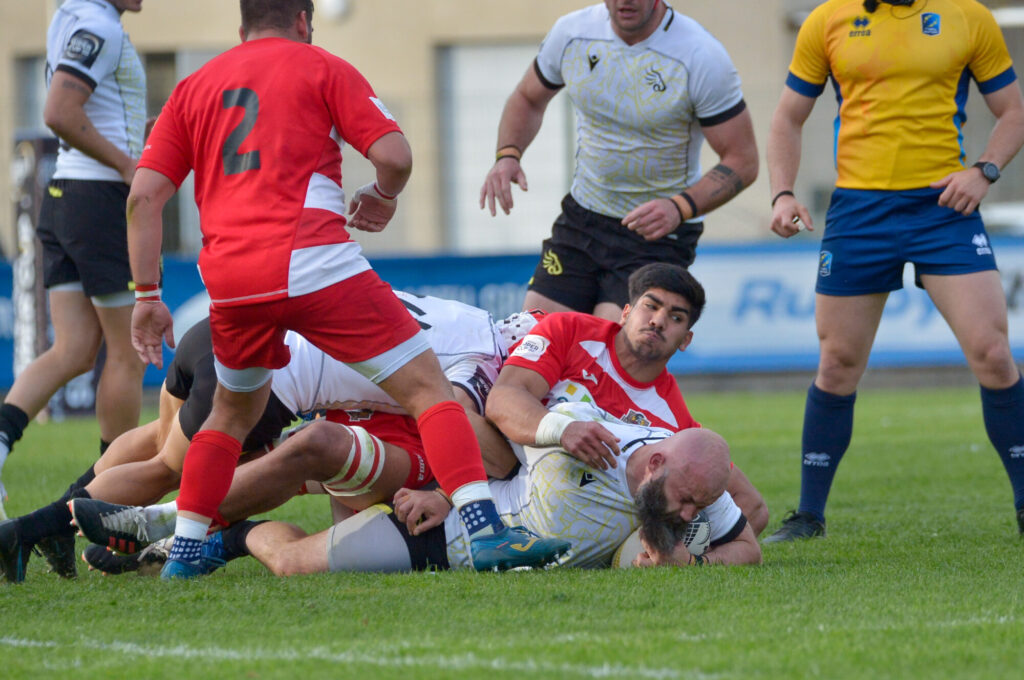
86, 39
464, 338
557, 495
639, 108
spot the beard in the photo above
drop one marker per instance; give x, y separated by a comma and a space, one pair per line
660, 530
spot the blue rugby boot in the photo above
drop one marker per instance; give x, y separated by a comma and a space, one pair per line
515, 547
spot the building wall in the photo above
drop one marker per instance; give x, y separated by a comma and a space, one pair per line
396, 44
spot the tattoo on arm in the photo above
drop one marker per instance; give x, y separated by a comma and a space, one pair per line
69, 84
727, 183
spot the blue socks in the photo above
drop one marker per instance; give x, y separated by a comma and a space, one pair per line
1003, 411
828, 426
479, 516
185, 549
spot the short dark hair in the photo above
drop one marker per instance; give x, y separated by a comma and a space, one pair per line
263, 14
672, 278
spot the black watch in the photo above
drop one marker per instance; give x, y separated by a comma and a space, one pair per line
989, 171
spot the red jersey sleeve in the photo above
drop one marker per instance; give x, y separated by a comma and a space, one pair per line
167, 149
544, 350
358, 115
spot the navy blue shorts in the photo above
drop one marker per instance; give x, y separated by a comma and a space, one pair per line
871, 235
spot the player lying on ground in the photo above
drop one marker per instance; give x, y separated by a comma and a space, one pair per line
620, 367
469, 346
663, 480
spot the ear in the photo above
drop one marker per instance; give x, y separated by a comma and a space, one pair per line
302, 26
241, 34
625, 313
655, 463
686, 341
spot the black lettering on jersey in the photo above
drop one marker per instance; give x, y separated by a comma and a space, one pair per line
83, 47
592, 59
416, 311
235, 162
587, 478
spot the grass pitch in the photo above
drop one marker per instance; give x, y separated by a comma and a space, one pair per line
920, 577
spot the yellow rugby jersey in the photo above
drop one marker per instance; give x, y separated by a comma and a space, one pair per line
901, 77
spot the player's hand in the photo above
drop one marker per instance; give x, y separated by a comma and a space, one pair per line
790, 216
420, 510
592, 443
370, 210
649, 557
653, 219
498, 184
152, 325
963, 191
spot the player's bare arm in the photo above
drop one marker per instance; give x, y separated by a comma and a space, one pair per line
151, 320
514, 406
520, 121
783, 153
64, 113
373, 205
733, 141
966, 189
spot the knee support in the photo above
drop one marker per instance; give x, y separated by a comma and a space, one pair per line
362, 466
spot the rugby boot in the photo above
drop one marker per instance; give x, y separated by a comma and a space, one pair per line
14, 553
515, 547
118, 527
59, 551
797, 526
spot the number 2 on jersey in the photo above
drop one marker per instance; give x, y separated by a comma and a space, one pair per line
235, 162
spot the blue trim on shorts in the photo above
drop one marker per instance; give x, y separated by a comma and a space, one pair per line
871, 235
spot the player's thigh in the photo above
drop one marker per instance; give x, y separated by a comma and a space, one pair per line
846, 330
368, 541
974, 306
418, 384
116, 324
76, 328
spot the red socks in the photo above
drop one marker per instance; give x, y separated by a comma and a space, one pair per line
207, 473
450, 445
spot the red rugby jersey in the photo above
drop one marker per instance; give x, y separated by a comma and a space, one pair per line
575, 354
263, 125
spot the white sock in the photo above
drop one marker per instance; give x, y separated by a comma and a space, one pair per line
160, 519
190, 528
474, 491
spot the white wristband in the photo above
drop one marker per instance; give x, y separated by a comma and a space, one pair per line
551, 427
372, 189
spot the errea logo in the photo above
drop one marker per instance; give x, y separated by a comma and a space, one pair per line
980, 242
860, 27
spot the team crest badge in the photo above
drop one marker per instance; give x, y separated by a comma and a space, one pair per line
552, 265
825, 263
635, 417
931, 23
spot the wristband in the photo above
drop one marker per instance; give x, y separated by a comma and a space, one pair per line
550, 429
678, 200
147, 292
679, 209
508, 151
779, 195
381, 194
445, 496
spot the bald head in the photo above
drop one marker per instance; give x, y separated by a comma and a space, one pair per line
682, 475
703, 456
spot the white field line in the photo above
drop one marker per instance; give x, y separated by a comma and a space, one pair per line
461, 662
